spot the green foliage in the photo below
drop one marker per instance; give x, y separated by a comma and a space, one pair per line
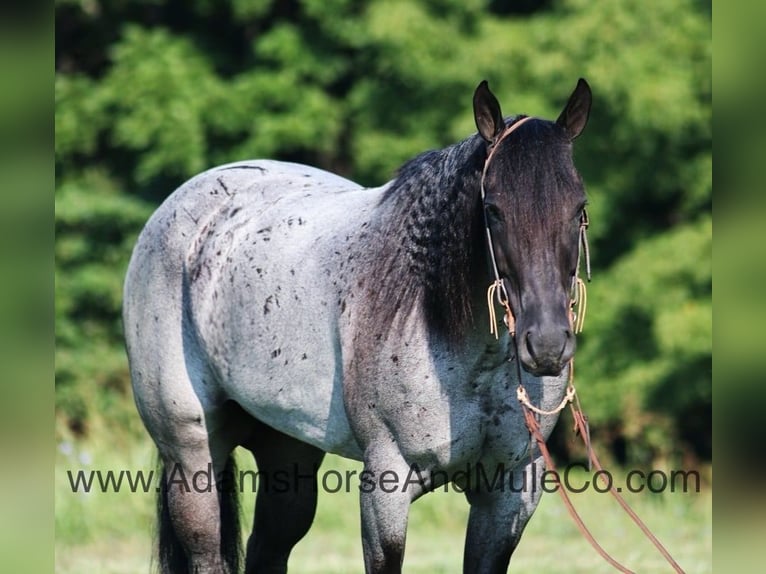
150, 92
95, 231
648, 363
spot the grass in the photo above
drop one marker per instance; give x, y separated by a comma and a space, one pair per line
111, 532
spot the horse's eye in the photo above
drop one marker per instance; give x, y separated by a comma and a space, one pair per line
494, 214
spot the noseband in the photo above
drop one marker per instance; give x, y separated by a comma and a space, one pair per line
497, 290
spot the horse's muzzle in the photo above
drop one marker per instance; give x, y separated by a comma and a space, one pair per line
545, 351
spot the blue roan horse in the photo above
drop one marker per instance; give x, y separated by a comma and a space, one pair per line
291, 311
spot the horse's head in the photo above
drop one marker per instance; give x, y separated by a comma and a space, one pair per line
534, 204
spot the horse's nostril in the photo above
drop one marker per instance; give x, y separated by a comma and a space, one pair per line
570, 342
528, 343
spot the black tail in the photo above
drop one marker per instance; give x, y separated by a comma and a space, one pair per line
170, 552
171, 556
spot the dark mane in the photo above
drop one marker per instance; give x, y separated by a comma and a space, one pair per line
431, 238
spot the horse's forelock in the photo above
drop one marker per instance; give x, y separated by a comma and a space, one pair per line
539, 185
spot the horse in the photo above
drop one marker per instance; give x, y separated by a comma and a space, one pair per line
290, 311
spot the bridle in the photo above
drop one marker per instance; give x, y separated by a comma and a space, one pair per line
497, 290
577, 307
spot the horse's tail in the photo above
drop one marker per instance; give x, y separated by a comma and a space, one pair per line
171, 556
170, 552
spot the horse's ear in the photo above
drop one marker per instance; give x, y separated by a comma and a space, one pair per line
575, 114
486, 113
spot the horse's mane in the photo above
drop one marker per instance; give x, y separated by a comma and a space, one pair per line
431, 238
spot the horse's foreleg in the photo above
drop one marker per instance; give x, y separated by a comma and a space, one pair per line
385, 497
499, 513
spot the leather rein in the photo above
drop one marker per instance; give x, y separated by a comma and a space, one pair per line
578, 302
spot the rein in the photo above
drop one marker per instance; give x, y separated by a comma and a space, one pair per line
578, 306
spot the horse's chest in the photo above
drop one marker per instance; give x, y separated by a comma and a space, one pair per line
450, 412
443, 413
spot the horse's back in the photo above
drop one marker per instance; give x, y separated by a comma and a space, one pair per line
232, 293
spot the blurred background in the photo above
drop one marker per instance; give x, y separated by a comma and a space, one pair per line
150, 92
